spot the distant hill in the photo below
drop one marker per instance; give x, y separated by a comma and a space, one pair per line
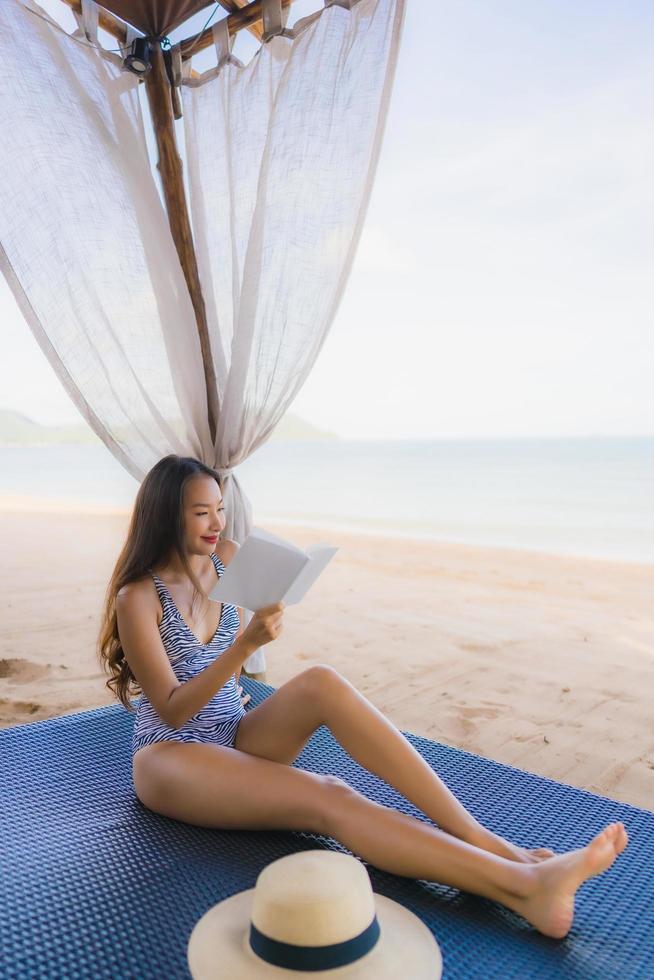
293, 427
17, 429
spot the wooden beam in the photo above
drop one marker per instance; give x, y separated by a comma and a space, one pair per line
107, 21
243, 17
170, 168
233, 7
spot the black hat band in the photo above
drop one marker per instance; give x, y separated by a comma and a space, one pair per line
294, 957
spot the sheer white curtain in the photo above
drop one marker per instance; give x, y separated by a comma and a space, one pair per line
85, 244
281, 159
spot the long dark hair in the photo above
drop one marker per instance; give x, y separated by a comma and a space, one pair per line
156, 529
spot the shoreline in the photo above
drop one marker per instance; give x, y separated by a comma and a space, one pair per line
539, 661
12, 503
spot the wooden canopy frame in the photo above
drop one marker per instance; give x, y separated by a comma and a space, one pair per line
161, 101
241, 15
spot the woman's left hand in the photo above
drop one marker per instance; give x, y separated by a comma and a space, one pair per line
244, 698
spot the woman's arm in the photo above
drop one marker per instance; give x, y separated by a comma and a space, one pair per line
174, 702
189, 698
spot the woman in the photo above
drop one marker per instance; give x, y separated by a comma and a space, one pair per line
200, 758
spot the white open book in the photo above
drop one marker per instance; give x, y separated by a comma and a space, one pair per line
267, 569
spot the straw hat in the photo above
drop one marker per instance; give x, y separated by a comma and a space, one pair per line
312, 914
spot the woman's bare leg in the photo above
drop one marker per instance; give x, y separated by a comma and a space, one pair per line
215, 786
283, 723
378, 745
542, 893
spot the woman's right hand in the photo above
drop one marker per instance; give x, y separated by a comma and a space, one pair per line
265, 625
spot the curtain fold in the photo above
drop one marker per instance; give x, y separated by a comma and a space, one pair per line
86, 246
281, 155
281, 160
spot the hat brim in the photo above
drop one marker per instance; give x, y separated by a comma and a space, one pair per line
218, 947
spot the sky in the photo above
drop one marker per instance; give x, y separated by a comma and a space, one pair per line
504, 281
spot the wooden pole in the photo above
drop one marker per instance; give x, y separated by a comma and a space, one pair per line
170, 168
170, 165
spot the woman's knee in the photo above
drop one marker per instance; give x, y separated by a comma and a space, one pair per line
337, 798
323, 679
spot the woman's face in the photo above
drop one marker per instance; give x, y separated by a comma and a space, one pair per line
204, 514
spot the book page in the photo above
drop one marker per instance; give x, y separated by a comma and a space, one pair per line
260, 532
267, 569
320, 556
260, 573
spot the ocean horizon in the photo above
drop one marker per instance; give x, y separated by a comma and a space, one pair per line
590, 497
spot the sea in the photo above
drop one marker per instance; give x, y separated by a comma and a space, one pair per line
590, 497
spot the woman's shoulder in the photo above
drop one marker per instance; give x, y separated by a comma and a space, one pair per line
138, 592
138, 600
226, 549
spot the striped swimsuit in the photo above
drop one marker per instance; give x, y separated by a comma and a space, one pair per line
218, 720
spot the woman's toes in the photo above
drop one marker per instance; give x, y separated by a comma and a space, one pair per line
618, 836
601, 851
622, 839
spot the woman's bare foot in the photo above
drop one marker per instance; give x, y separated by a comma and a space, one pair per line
549, 903
488, 841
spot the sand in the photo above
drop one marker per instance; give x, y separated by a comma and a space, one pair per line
543, 662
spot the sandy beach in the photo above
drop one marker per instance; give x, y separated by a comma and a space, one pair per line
538, 661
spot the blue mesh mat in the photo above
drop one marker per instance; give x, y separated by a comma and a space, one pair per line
94, 885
